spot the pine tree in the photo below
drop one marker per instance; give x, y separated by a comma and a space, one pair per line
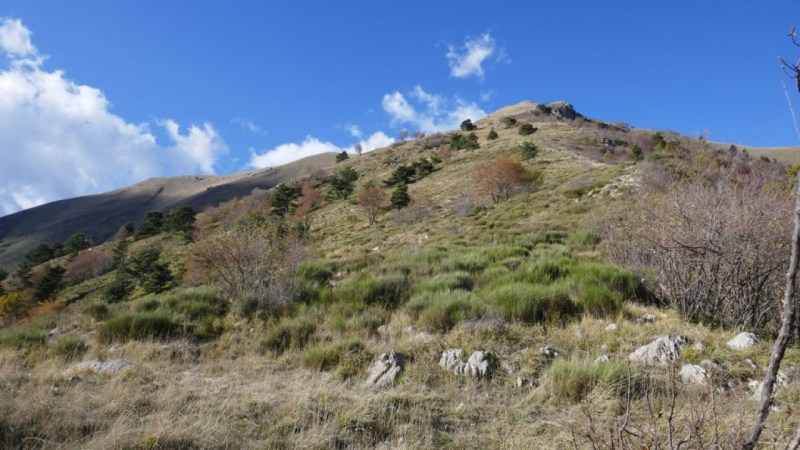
400, 198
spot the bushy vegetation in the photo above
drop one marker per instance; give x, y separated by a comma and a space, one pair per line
469, 141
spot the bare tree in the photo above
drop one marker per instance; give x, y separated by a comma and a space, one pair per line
372, 199
712, 245
789, 314
255, 259
358, 149
502, 176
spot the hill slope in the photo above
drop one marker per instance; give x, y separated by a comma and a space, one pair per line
99, 216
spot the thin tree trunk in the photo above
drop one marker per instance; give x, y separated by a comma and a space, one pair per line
785, 334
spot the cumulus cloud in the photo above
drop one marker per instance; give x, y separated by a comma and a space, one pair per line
286, 153
435, 112
58, 138
468, 60
15, 38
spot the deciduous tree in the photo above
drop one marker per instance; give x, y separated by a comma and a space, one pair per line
503, 176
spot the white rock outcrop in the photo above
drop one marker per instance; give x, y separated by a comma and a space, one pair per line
693, 374
661, 352
742, 341
386, 369
481, 363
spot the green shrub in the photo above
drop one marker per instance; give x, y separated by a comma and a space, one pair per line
573, 380
197, 302
599, 300
492, 135
209, 327
442, 310
532, 303
527, 129
289, 334
24, 338
446, 281
497, 253
508, 121
70, 346
144, 325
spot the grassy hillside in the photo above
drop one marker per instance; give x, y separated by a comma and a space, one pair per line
285, 365
99, 216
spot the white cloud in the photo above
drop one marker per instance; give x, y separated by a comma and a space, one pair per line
15, 38
199, 149
248, 125
487, 95
436, 113
58, 138
468, 60
354, 131
286, 153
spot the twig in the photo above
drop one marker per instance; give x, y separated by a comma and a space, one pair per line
795, 444
791, 109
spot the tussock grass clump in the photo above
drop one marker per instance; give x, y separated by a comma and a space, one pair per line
23, 338
319, 272
446, 281
614, 278
472, 262
70, 346
572, 381
388, 290
347, 357
97, 310
289, 334
532, 303
599, 300
442, 310
144, 325
196, 303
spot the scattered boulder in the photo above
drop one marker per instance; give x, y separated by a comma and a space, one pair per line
100, 366
481, 363
647, 318
612, 327
386, 369
451, 359
693, 374
602, 358
548, 351
661, 352
699, 345
742, 341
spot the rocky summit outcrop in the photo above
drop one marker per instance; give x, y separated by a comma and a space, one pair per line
386, 369
663, 351
562, 110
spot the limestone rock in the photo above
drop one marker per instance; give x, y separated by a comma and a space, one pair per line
451, 358
386, 369
612, 327
661, 352
562, 110
481, 363
743, 340
647, 318
693, 374
100, 366
602, 358
548, 351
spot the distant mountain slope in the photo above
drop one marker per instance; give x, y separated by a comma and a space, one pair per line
99, 216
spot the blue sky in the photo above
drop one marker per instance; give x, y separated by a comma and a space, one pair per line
96, 95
